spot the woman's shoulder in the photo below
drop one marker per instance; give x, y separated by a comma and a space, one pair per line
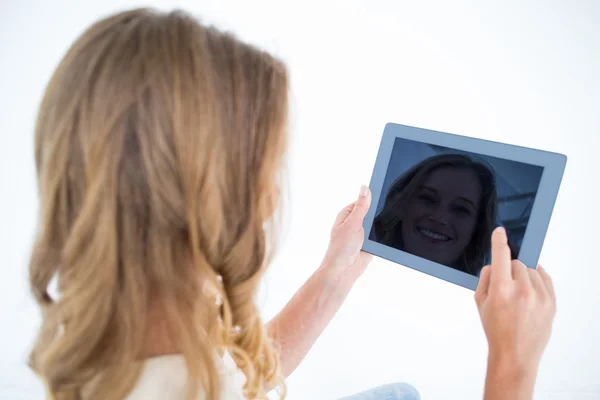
165, 377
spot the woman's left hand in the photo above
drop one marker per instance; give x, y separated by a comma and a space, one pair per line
344, 255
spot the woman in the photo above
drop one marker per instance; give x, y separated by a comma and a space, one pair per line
158, 148
443, 209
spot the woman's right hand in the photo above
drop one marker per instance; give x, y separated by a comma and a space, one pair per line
517, 307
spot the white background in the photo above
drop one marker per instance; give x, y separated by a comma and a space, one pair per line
520, 72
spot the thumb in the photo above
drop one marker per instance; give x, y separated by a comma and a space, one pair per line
362, 204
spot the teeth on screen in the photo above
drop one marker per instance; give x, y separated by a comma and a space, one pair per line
433, 235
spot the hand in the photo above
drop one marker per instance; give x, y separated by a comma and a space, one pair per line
347, 235
517, 307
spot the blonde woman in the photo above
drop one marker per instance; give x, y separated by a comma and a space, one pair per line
451, 195
158, 147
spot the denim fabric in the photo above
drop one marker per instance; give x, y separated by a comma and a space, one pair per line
392, 391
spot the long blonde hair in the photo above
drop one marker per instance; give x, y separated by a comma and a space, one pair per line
158, 145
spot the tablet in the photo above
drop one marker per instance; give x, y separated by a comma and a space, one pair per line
437, 197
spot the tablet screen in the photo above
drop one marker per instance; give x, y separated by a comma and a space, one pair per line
442, 204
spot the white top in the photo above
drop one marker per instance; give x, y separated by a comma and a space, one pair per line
165, 377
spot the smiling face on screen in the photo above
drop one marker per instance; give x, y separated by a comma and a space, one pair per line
441, 215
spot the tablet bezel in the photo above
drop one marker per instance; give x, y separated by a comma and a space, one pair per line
541, 212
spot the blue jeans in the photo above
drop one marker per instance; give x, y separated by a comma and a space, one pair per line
392, 391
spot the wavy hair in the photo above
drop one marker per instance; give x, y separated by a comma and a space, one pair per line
158, 145
389, 221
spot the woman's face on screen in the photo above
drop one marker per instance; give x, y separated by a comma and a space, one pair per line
441, 215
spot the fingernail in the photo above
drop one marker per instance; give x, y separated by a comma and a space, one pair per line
500, 231
364, 191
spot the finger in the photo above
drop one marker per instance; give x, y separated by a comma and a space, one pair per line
536, 282
342, 215
547, 281
362, 204
501, 261
483, 285
519, 273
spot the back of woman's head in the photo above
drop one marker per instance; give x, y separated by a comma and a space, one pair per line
157, 148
